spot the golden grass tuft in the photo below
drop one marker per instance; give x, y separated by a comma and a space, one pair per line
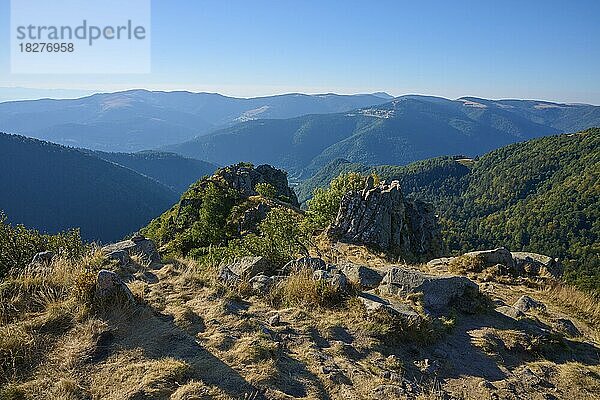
299, 289
583, 305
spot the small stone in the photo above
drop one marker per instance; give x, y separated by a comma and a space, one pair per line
275, 320
44, 257
511, 312
526, 303
567, 327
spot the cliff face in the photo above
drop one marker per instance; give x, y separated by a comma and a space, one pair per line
380, 217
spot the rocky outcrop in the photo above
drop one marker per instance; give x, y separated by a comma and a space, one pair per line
537, 264
244, 178
313, 263
374, 304
438, 291
501, 261
44, 257
493, 257
136, 246
380, 217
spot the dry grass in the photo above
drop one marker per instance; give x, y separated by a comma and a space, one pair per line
465, 264
301, 290
581, 304
579, 381
129, 375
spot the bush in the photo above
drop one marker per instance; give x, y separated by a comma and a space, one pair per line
18, 245
266, 190
280, 238
323, 207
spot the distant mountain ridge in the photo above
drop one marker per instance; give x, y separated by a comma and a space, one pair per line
139, 119
404, 130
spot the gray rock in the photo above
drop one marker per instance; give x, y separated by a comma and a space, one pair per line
244, 178
526, 304
537, 264
120, 256
274, 320
383, 392
44, 257
440, 262
312, 263
335, 278
567, 327
366, 278
252, 217
380, 217
261, 283
138, 245
110, 286
249, 267
438, 291
495, 256
147, 277
375, 304
511, 312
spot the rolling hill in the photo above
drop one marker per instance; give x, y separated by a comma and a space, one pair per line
52, 188
401, 131
138, 119
541, 195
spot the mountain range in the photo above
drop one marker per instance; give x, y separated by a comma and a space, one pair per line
139, 119
404, 130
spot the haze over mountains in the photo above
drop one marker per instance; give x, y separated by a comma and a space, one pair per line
406, 129
139, 120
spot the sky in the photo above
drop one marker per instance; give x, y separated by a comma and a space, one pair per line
506, 49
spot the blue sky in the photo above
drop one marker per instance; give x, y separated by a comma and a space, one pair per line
519, 49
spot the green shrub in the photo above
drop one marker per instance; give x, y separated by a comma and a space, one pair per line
266, 190
18, 245
323, 207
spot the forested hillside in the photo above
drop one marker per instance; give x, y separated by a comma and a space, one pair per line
170, 169
541, 196
53, 188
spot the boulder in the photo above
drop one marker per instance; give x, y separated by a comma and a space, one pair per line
567, 327
537, 264
492, 257
510, 312
366, 278
374, 304
252, 217
438, 291
312, 263
110, 286
526, 304
44, 257
248, 267
380, 217
120, 256
138, 245
335, 278
261, 283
